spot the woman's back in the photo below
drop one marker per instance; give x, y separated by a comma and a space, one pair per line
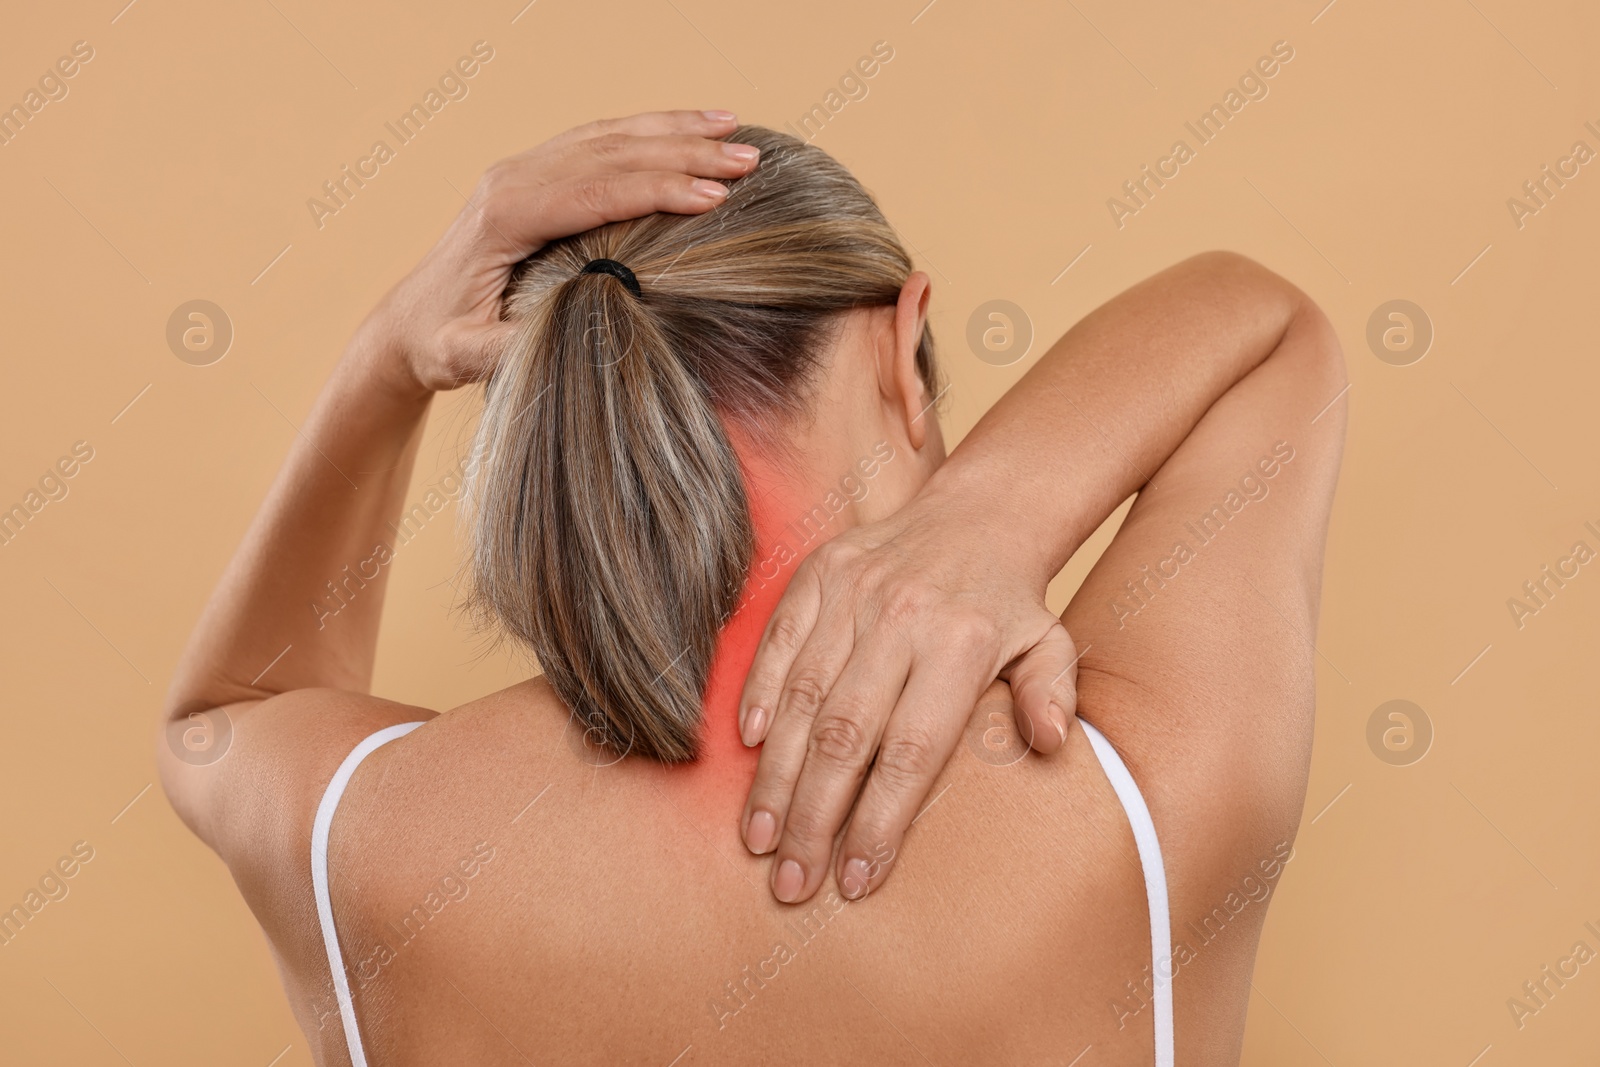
504, 894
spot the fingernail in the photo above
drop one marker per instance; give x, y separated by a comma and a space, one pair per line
742, 152
856, 880
790, 880
755, 720
709, 189
763, 828
719, 116
1058, 719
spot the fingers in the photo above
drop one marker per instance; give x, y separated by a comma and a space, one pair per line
530, 219
1044, 688
786, 634
691, 155
607, 171
917, 742
714, 123
801, 697
842, 742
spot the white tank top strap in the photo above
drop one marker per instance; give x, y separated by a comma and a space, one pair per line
1155, 886
319, 879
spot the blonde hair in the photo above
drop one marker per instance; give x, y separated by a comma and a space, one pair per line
611, 534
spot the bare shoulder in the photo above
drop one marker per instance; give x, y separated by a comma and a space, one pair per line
1198, 630
459, 776
255, 803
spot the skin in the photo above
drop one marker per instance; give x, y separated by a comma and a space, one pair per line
609, 906
891, 632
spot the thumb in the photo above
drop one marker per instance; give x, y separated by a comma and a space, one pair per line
1044, 689
471, 352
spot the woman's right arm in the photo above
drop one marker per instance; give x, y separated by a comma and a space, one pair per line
1091, 423
965, 565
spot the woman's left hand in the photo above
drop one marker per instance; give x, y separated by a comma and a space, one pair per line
881, 647
443, 318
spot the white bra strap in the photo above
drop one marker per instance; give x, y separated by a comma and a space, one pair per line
319, 879
1155, 886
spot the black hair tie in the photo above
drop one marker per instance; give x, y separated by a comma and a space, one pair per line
617, 271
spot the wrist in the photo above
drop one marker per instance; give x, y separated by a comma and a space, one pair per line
1022, 536
377, 358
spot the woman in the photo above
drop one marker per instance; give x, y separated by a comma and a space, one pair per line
707, 356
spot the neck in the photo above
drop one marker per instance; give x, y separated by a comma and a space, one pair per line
787, 529
793, 512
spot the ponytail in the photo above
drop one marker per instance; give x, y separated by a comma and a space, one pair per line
620, 530
611, 531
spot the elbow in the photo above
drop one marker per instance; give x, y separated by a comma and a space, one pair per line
1249, 278
1311, 345
1226, 263
1327, 354
1307, 339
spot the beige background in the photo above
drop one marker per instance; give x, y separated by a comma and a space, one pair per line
1377, 168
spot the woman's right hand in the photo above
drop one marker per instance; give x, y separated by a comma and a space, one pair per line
443, 319
868, 672
887, 635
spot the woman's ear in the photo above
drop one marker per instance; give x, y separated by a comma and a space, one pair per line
902, 384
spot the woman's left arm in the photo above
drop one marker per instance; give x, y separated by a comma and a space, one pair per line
298, 608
